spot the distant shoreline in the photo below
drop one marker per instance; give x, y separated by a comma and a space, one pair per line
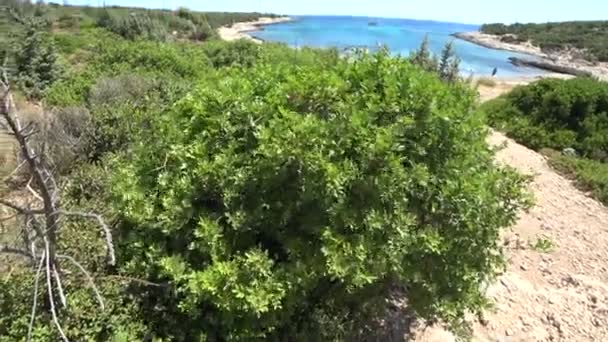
240, 30
559, 62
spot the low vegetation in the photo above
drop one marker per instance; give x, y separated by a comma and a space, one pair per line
253, 191
586, 36
561, 115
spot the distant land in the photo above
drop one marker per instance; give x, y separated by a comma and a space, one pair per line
576, 47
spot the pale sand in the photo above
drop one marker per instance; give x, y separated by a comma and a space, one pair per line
557, 295
568, 59
505, 84
239, 30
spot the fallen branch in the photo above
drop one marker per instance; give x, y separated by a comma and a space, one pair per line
89, 278
50, 293
35, 304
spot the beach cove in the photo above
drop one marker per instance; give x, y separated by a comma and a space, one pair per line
401, 36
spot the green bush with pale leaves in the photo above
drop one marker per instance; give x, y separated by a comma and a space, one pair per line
274, 197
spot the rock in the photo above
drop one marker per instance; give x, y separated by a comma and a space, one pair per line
569, 280
554, 320
569, 152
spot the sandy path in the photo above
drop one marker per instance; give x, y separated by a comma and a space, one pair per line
239, 30
557, 295
561, 295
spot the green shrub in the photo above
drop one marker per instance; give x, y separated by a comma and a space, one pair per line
590, 175
279, 197
36, 62
556, 114
559, 114
82, 321
239, 53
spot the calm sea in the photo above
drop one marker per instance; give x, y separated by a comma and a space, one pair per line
400, 35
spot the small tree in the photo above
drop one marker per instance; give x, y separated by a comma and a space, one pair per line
423, 57
42, 220
34, 58
449, 66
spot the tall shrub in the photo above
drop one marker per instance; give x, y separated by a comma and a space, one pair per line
281, 200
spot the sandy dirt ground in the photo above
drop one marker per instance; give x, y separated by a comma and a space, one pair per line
239, 30
559, 293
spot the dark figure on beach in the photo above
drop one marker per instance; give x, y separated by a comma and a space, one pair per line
494, 71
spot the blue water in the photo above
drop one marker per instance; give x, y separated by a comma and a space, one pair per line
400, 35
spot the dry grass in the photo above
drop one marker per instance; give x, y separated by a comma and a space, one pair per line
486, 82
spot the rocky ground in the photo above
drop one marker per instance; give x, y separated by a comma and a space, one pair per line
556, 284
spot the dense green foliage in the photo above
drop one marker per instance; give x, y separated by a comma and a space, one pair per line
258, 191
589, 36
560, 114
556, 114
280, 192
132, 22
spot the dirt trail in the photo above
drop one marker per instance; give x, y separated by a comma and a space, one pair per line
562, 294
556, 293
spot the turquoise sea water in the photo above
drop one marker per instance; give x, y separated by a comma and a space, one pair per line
400, 35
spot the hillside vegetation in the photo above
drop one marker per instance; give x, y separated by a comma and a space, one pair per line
563, 115
154, 24
586, 36
253, 191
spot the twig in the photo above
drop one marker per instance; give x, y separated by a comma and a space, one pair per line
88, 276
36, 281
4, 219
50, 292
136, 280
14, 171
16, 251
104, 227
64, 301
21, 210
32, 191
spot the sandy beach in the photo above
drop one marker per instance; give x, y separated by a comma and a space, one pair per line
562, 59
239, 30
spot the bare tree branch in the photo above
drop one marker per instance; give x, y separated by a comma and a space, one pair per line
15, 251
46, 190
89, 278
64, 301
35, 304
32, 191
104, 227
49, 285
136, 280
14, 171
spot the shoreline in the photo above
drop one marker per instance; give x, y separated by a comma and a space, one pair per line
560, 62
240, 30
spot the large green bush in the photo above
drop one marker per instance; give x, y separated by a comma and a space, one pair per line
278, 198
558, 114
